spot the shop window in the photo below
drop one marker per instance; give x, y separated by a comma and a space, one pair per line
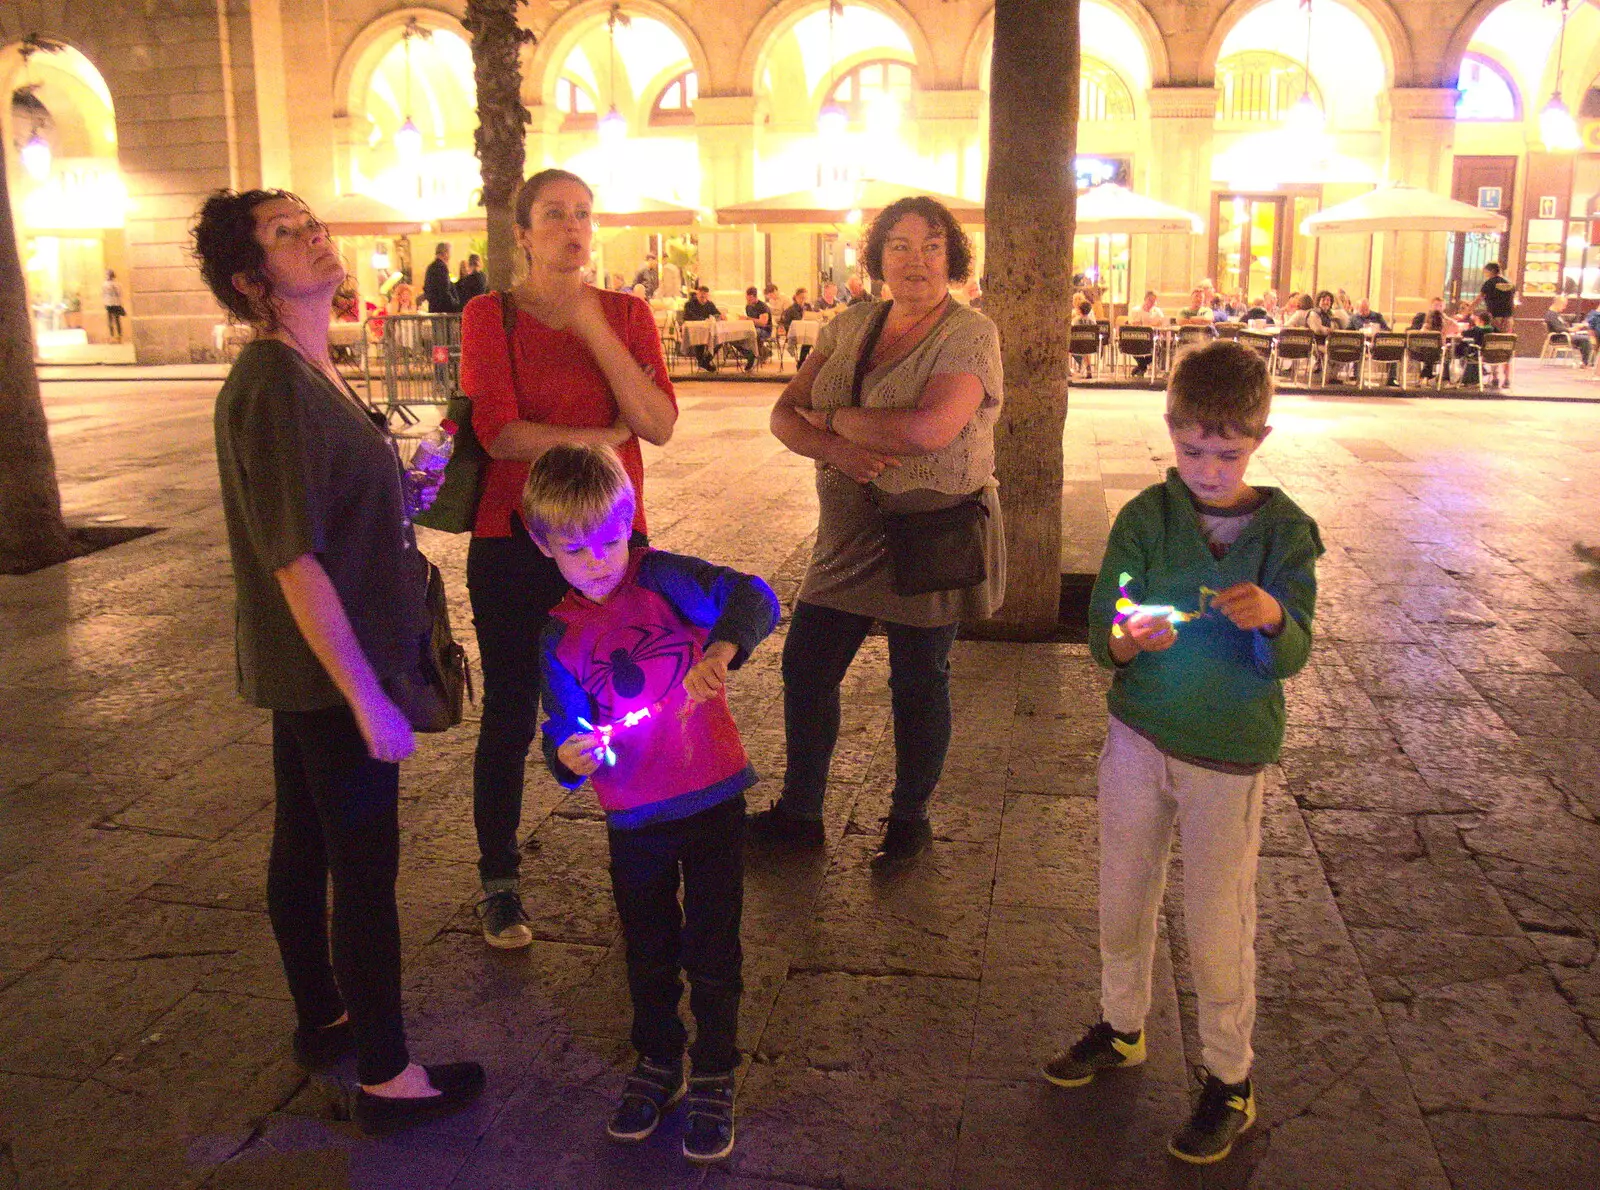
576, 105
675, 104
1487, 92
1102, 95
859, 88
1259, 87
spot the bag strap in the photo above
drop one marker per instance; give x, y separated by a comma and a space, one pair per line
868, 345
508, 323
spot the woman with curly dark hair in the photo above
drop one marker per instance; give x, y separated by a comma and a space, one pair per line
897, 405
330, 604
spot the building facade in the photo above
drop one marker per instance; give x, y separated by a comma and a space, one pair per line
1252, 114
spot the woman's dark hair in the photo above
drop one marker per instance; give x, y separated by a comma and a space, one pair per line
957, 248
1324, 294
225, 244
528, 193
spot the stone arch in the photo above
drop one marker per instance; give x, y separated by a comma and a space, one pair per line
1155, 45
1379, 16
361, 57
785, 15
1456, 48
82, 120
543, 67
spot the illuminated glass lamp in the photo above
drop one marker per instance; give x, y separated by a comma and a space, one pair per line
1305, 117
613, 128
408, 141
832, 121
1557, 129
35, 156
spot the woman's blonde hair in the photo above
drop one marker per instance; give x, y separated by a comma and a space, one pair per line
574, 489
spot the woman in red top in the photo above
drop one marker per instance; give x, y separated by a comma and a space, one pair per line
589, 369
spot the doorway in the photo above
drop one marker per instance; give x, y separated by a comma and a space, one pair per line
1247, 249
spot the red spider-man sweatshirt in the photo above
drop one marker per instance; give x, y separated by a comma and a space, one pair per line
604, 660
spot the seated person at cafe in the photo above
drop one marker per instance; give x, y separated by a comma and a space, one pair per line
830, 297
1557, 322
1299, 312
1084, 364
1470, 345
1364, 316
1435, 319
758, 312
700, 308
1265, 310
1198, 310
1148, 314
856, 291
794, 312
1323, 318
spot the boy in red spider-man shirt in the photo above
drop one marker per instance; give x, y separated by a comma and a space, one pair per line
635, 659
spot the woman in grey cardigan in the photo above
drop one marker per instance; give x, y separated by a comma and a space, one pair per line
897, 405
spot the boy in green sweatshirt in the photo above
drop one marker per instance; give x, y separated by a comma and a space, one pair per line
1203, 606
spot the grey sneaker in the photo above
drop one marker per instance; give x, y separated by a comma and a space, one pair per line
1222, 1113
710, 1134
505, 925
1101, 1048
651, 1089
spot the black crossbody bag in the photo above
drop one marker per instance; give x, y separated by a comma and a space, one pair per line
938, 550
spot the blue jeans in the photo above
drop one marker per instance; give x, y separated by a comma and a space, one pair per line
821, 644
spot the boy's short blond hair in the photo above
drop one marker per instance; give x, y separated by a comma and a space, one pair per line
1223, 389
574, 489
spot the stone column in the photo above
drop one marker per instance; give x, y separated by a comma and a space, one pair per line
726, 133
1421, 125
1179, 172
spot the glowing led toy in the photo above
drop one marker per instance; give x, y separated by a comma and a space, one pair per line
607, 730
1126, 607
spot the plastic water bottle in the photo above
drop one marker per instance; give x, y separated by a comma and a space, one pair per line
428, 462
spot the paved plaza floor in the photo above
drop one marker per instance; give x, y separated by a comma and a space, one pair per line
1429, 891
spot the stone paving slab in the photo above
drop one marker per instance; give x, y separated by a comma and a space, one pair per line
1429, 892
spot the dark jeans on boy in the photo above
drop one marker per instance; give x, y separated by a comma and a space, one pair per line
701, 939
821, 644
512, 587
338, 813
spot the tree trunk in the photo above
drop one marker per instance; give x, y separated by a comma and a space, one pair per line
1029, 213
497, 41
32, 534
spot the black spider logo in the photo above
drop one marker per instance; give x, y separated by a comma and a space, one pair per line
620, 668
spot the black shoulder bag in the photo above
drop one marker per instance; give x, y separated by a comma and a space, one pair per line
455, 508
938, 550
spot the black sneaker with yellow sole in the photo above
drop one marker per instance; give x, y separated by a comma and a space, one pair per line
1101, 1048
1223, 1111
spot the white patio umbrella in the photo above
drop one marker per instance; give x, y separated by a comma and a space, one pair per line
1110, 209
1395, 209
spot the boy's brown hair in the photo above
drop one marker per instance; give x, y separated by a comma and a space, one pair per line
574, 489
1222, 388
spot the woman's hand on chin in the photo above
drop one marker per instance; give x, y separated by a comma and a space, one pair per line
585, 316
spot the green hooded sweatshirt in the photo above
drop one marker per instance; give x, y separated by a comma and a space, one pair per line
1217, 693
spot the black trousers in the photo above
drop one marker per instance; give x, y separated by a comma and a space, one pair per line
700, 939
337, 814
512, 587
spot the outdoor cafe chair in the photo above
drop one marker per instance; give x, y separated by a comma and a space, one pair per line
1229, 330
1296, 346
1386, 349
1135, 343
1188, 336
1084, 344
1342, 348
1427, 347
1497, 351
1258, 342
1558, 346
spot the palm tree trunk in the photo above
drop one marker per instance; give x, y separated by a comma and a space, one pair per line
32, 534
497, 41
1029, 214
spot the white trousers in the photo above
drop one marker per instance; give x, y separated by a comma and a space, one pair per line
1143, 792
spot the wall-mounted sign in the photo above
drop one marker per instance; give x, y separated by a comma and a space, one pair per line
1489, 197
1547, 206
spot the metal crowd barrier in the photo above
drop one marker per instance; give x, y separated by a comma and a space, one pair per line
421, 361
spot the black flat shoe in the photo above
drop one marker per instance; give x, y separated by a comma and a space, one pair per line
902, 843
317, 1049
458, 1084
